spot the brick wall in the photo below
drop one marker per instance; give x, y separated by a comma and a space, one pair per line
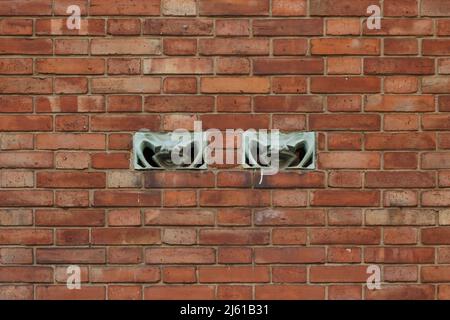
71, 100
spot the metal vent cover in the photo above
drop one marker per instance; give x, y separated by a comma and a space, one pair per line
153, 151
297, 150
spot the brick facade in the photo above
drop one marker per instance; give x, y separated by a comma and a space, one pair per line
379, 101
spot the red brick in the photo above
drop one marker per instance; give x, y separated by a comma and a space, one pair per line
180, 85
69, 218
413, 66
58, 27
179, 275
333, 46
234, 255
404, 179
67, 256
344, 141
69, 85
401, 235
127, 7
344, 255
345, 122
125, 236
403, 198
400, 160
16, 292
185, 217
26, 236
178, 103
294, 180
180, 255
399, 255
289, 217
26, 274
127, 292
343, 26
126, 85
54, 292
16, 66
289, 255
399, 217
234, 85
400, 273
72, 46
228, 198
236, 274
345, 179
125, 255
289, 27
178, 27
402, 292
288, 103
394, 103
290, 292
435, 84
124, 66
288, 66
345, 236
29, 198
178, 66
16, 256
290, 47
344, 292
400, 141
234, 7
195, 292
26, 46
233, 237
22, 27
124, 26
234, 292
343, 65
289, 7
402, 27
342, 8
121, 274
70, 180
232, 27
344, 217
285, 274
349, 160
435, 274
399, 8
345, 85
340, 274
401, 46
124, 123
72, 237
127, 199
70, 104
180, 46
15, 217
234, 217
221, 46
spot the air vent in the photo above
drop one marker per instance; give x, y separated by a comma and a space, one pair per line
296, 150
169, 151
